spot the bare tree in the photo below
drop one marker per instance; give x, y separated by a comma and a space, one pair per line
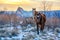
46, 5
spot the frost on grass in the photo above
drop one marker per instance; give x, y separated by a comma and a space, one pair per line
29, 33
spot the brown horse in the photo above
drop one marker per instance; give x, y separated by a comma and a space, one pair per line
40, 20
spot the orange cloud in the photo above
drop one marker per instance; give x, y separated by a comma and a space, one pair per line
27, 4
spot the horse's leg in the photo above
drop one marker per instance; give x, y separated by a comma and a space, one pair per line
37, 29
42, 27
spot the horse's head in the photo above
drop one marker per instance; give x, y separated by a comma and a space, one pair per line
35, 13
38, 17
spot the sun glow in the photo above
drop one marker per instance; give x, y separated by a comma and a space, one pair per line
27, 4
13, 0
10, 1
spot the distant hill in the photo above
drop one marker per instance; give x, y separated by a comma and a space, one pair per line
25, 17
55, 13
23, 13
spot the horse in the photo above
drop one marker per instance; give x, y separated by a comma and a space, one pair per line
40, 20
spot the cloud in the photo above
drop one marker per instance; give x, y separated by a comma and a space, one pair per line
28, 4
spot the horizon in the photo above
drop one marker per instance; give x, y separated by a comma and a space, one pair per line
29, 10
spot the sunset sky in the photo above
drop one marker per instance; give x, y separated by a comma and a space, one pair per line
29, 4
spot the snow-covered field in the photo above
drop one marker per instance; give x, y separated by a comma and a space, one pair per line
29, 33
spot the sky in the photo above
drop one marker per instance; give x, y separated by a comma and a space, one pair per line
29, 4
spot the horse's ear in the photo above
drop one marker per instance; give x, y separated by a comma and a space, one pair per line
34, 9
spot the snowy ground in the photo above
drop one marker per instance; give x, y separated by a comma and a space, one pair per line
29, 33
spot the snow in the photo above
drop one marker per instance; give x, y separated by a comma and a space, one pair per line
21, 22
29, 34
